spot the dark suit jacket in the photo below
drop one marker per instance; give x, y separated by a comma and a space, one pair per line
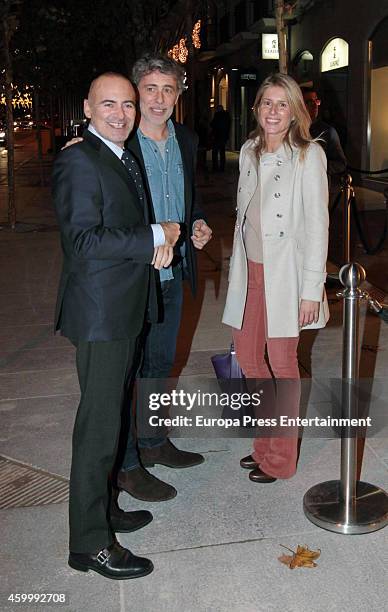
188, 144
107, 245
330, 142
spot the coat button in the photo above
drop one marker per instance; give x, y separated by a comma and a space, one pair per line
279, 162
248, 173
277, 177
279, 215
281, 234
276, 195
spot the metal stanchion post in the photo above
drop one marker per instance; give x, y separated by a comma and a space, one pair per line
348, 194
347, 506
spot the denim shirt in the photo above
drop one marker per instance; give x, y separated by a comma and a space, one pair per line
166, 181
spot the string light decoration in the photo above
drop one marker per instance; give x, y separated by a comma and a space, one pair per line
19, 100
174, 53
183, 51
196, 35
179, 52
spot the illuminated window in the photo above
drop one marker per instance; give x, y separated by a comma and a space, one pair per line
335, 55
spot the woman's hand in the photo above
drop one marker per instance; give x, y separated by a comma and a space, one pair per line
308, 312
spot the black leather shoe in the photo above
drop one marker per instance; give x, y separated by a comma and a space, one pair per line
257, 475
125, 522
169, 455
113, 562
145, 486
248, 463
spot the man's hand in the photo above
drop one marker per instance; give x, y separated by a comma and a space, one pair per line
171, 232
308, 312
201, 234
71, 142
162, 257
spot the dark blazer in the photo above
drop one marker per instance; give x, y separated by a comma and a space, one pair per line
330, 142
188, 144
107, 244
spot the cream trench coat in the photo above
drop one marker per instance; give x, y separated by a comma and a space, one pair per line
294, 224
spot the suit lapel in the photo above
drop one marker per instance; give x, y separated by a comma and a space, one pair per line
133, 145
108, 158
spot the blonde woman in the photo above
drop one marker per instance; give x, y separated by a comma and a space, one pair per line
278, 264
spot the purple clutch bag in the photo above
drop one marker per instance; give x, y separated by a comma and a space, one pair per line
226, 365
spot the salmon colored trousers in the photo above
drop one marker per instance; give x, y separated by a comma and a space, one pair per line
276, 456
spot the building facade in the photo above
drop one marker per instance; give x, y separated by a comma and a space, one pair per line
338, 46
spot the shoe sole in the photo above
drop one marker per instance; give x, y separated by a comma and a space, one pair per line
264, 481
148, 499
171, 465
252, 466
85, 568
140, 526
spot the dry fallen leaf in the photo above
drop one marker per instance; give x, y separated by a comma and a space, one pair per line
303, 557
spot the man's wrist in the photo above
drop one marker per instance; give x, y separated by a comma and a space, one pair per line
158, 233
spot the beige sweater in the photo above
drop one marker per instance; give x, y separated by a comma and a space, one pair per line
252, 235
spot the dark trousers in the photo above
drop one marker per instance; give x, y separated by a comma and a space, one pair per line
218, 149
104, 370
159, 356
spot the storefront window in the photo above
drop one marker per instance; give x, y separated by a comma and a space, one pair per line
302, 66
334, 63
378, 143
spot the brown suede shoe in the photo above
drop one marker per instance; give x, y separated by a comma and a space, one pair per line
145, 486
125, 522
169, 455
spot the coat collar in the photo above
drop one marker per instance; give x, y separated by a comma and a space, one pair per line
284, 153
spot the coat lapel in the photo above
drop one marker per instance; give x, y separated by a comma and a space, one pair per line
187, 164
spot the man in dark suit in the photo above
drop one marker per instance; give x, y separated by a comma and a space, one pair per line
166, 153
108, 245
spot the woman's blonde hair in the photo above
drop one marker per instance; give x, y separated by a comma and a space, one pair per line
298, 133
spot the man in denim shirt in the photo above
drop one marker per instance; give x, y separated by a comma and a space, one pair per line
166, 153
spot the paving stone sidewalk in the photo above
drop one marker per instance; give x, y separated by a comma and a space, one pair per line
215, 547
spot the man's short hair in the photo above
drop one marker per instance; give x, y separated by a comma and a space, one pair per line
158, 63
307, 90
